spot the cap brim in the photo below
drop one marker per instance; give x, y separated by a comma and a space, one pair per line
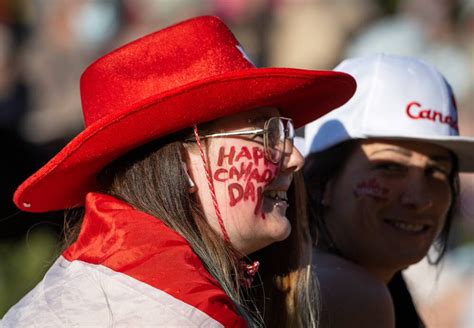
302, 95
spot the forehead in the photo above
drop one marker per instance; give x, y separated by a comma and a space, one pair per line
405, 148
252, 117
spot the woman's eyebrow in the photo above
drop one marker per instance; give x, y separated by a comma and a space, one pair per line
434, 159
402, 151
440, 159
258, 119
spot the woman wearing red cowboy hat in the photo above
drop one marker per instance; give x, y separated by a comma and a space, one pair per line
181, 172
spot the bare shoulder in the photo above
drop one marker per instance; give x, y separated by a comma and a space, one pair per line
350, 296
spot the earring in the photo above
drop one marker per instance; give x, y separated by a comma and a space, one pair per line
191, 185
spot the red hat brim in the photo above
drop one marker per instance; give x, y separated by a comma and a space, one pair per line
303, 95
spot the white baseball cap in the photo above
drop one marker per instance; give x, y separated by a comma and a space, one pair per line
397, 98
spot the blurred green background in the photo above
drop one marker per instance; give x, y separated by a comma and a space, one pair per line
24, 264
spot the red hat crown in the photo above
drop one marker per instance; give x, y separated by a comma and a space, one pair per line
165, 60
186, 74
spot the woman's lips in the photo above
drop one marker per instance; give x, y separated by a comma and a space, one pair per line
277, 197
407, 226
276, 194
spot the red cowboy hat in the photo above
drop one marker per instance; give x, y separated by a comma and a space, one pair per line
186, 74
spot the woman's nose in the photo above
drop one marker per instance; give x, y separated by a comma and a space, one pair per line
292, 161
419, 203
417, 196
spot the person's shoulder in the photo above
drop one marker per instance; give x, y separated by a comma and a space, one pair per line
85, 295
350, 296
135, 251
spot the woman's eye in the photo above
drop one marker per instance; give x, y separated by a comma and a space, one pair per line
259, 136
437, 172
390, 167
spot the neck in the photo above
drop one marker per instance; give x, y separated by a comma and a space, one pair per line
382, 274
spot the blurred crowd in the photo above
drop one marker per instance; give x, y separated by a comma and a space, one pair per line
46, 44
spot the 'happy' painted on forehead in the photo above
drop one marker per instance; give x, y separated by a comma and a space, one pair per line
241, 168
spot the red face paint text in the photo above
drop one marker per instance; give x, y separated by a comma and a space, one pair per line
245, 172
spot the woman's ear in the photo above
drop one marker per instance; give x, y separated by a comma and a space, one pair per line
192, 188
326, 200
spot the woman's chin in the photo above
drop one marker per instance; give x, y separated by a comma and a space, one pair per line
279, 227
276, 234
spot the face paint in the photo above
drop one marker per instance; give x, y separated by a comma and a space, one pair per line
371, 188
245, 170
256, 154
258, 205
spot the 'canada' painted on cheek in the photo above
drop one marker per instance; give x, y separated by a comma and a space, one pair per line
244, 174
371, 188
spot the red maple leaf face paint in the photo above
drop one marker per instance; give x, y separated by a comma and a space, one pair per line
371, 188
246, 171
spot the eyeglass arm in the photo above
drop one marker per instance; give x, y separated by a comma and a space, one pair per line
227, 134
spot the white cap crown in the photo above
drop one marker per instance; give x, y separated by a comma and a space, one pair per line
397, 98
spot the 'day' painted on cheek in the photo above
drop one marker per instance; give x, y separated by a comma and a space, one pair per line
371, 188
242, 169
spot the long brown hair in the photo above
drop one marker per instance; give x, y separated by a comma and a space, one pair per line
287, 279
152, 179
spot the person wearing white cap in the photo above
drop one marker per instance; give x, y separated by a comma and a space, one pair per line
382, 177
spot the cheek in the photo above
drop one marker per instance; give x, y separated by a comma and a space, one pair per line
442, 199
443, 203
373, 189
243, 172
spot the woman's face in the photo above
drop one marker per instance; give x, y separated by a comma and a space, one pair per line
389, 203
250, 190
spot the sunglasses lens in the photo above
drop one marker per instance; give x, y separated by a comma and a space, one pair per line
275, 139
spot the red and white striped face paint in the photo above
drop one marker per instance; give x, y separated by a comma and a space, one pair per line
250, 190
390, 202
